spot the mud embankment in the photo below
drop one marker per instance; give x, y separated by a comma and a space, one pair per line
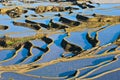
41, 9
70, 47
51, 25
95, 22
69, 22
3, 27
32, 26
56, 25
13, 12
16, 12
103, 18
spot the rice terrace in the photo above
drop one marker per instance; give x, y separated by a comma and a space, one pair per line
59, 40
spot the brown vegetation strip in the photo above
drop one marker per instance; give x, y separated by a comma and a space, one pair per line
33, 26
3, 27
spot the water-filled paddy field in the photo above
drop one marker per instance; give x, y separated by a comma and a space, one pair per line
45, 40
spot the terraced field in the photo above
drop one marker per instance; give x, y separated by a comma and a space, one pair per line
45, 40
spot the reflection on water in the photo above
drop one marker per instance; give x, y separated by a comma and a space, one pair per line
60, 68
109, 35
43, 52
18, 58
108, 9
6, 54
79, 39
